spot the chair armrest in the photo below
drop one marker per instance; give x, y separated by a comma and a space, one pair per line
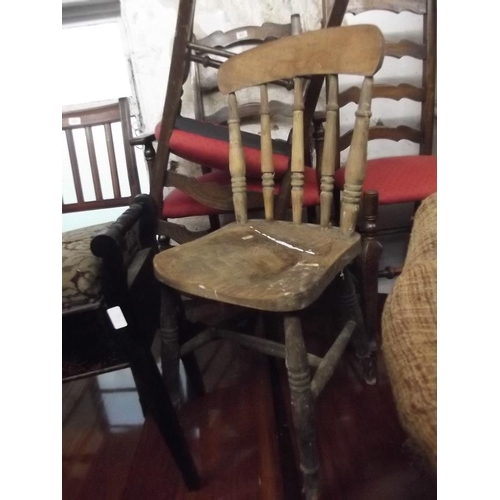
122, 243
143, 140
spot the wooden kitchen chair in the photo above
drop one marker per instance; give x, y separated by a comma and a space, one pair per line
204, 140
392, 179
272, 265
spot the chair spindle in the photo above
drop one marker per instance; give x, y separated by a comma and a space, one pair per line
237, 162
74, 165
298, 152
356, 161
329, 151
93, 163
267, 166
112, 161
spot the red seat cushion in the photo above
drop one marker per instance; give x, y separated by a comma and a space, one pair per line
178, 204
398, 179
207, 144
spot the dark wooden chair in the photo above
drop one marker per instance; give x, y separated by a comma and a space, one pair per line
112, 185
204, 140
395, 179
110, 298
279, 266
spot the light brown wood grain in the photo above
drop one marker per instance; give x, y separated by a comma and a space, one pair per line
297, 152
266, 149
358, 50
329, 151
237, 162
267, 265
356, 161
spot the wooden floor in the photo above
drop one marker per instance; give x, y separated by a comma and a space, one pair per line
239, 436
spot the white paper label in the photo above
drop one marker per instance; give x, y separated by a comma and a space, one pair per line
75, 120
241, 34
117, 318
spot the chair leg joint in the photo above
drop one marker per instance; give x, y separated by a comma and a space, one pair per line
331, 359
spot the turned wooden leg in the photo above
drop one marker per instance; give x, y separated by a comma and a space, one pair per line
189, 360
351, 310
214, 222
368, 264
169, 337
302, 399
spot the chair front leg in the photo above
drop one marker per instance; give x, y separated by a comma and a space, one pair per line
170, 350
303, 404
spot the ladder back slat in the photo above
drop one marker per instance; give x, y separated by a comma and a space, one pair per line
405, 48
329, 151
112, 161
237, 162
395, 134
356, 161
93, 163
297, 166
267, 166
74, 165
397, 6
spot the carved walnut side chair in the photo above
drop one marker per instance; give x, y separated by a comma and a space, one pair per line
394, 179
272, 265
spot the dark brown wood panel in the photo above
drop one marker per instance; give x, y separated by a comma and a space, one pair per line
86, 118
93, 163
112, 160
74, 165
90, 116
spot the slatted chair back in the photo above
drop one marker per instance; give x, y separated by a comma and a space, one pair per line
423, 94
354, 50
224, 45
89, 119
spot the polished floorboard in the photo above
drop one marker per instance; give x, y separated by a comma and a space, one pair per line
239, 436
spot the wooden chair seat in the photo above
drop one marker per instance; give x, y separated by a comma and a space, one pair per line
266, 265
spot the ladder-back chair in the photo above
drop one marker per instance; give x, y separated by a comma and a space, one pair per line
272, 265
401, 178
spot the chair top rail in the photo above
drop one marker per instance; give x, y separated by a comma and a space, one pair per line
88, 117
359, 51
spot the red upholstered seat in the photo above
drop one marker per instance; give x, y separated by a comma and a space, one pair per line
398, 179
207, 144
178, 204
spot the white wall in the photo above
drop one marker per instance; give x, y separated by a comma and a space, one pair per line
94, 69
149, 25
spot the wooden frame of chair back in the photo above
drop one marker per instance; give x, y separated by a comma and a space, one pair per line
360, 52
